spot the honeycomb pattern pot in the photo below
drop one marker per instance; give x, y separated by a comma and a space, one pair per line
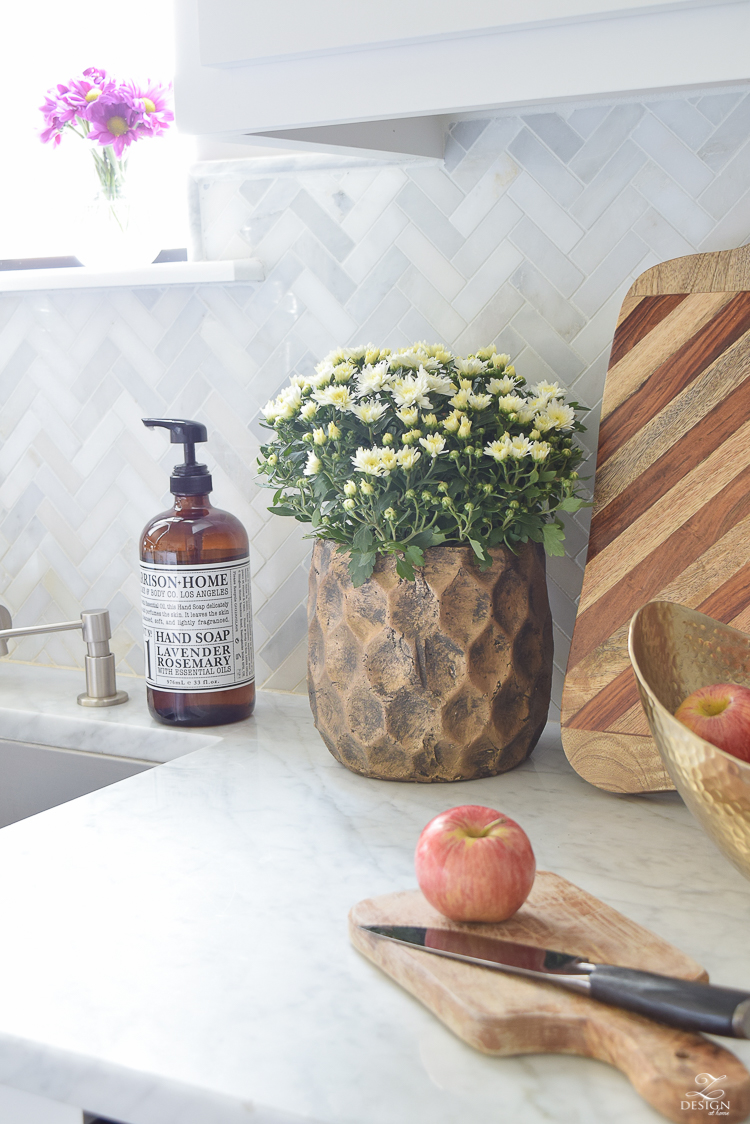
445, 678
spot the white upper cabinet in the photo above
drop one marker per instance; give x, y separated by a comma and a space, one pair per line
383, 75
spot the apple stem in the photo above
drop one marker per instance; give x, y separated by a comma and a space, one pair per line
488, 827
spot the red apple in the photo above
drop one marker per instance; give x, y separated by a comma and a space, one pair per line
721, 715
475, 864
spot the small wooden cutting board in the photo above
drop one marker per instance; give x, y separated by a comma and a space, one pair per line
507, 1015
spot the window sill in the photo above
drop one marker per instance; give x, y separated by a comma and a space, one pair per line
166, 273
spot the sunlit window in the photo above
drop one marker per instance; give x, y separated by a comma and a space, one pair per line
44, 191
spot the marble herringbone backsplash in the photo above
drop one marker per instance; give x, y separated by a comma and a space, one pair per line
528, 236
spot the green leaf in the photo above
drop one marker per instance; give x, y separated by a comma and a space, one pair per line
480, 551
321, 486
316, 517
404, 569
414, 555
572, 503
278, 510
362, 540
361, 566
427, 538
553, 537
533, 476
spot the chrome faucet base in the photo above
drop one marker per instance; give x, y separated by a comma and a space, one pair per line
99, 663
109, 700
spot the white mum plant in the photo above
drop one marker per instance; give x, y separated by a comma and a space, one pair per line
392, 452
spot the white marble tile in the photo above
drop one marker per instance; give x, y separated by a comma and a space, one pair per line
478, 202
548, 215
676, 158
487, 281
428, 260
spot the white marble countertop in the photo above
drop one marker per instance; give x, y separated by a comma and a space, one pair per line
174, 947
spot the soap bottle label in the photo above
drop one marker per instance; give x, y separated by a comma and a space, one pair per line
197, 626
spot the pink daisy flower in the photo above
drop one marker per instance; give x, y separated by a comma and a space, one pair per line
114, 123
82, 92
154, 102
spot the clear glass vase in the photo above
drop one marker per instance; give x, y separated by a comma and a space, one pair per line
107, 238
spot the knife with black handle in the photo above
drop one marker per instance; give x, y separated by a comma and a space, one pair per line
681, 1003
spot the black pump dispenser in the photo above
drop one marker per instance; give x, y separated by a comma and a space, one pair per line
189, 478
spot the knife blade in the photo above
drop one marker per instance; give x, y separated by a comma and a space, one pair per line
686, 1004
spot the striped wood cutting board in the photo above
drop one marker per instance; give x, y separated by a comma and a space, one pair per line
671, 516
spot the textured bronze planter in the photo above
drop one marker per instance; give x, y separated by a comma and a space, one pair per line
446, 678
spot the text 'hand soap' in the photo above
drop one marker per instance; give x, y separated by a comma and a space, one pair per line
195, 595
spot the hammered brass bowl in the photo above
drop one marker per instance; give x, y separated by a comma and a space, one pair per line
674, 651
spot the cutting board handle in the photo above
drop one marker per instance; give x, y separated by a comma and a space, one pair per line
670, 1068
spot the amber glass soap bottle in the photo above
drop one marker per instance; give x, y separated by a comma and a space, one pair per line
195, 590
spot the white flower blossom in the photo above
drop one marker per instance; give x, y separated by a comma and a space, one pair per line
465, 428
338, 355
500, 450
433, 444
338, 396
409, 415
322, 377
349, 505
350, 488
408, 358
438, 384
500, 361
319, 436
520, 447
314, 464
285, 406
368, 461
547, 390
472, 366
511, 403
388, 459
412, 391
460, 400
373, 378
453, 421
369, 412
479, 401
561, 416
407, 458
501, 386
526, 414
343, 372
309, 410
540, 450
